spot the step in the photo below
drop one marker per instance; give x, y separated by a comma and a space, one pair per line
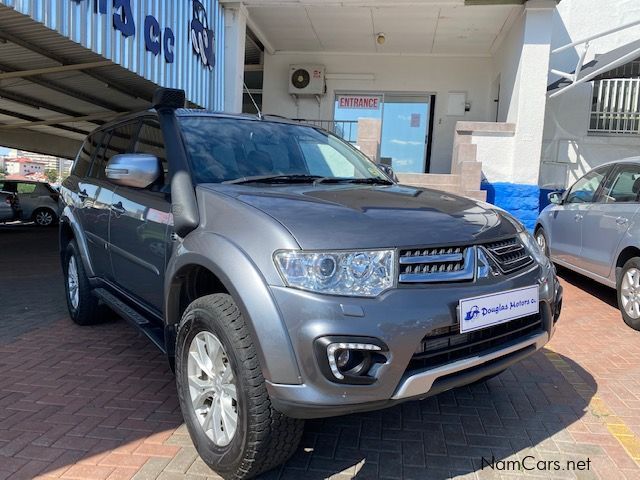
154, 332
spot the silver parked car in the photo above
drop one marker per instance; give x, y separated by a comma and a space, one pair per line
38, 200
593, 228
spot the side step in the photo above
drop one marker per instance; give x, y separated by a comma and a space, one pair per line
154, 332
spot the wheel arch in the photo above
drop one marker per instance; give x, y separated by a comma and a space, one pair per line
231, 272
623, 257
69, 229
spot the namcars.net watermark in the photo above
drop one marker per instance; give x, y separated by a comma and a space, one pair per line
531, 463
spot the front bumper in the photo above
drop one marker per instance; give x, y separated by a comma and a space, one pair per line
400, 318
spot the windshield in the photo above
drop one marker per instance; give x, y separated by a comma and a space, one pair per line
224, 150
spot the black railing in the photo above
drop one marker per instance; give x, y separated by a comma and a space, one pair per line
345, 129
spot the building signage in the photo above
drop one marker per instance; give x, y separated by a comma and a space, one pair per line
364, 102
160, 39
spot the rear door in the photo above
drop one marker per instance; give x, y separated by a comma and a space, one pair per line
91, 203
565, 220
100, 191
140, 226
609, 218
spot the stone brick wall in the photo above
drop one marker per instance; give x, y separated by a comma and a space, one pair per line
522, 201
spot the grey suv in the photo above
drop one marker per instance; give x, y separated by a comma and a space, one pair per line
288, 277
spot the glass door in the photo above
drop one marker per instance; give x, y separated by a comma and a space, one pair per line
405, 132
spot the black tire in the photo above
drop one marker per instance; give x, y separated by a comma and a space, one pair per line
87, 311
264, 438
540, 231
629, 264
41, 217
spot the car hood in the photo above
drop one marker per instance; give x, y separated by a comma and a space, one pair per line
346, 216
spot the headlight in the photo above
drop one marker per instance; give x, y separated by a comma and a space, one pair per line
364, 273
534, 249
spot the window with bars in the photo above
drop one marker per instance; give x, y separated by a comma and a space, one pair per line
615, 107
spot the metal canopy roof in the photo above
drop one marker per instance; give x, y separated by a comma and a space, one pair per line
53, 91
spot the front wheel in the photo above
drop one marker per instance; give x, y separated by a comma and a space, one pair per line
629, 292
541, 240
223, 396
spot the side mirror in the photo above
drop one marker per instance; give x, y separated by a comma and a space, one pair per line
555, 198
138, 170
388, 171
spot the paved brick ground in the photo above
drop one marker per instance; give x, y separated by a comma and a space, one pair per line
100, 403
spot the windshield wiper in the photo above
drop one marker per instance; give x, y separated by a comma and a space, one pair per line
277, 179
364, 181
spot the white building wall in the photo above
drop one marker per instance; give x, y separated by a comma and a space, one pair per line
505, 62
419, 74
568, 150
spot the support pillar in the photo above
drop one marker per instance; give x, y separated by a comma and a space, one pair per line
235, 27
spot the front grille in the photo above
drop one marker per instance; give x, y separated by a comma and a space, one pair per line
447, 344
509, 255
440, 264
455, 264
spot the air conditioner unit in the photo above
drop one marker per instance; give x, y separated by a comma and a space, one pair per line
306, 80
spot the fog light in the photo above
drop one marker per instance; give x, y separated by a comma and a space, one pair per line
342, 352
343, 358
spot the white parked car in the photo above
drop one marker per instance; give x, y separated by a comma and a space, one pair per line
38, 200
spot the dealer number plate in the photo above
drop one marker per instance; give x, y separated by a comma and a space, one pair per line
492, 309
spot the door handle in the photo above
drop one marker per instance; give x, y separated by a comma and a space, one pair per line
117, 208
622, 220
578, 217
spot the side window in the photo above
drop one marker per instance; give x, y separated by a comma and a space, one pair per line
150, 141
26, 188
42, 189
10, 187
115, 142
585, 189
83, 159
625, 185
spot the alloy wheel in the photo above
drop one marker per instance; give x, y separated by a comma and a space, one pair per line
212, 388
630, 293
542, 242
44, 218
72, 282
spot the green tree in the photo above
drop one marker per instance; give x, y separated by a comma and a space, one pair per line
51, 175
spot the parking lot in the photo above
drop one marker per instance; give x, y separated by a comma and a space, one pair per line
100, 402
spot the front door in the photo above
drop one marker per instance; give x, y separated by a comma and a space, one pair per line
140, 227
405, 132
566, 220
608, 219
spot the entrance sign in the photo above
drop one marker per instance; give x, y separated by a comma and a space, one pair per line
364, 102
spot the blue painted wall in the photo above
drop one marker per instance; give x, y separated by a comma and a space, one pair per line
522, 201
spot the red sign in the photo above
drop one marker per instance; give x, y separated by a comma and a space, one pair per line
359, 101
